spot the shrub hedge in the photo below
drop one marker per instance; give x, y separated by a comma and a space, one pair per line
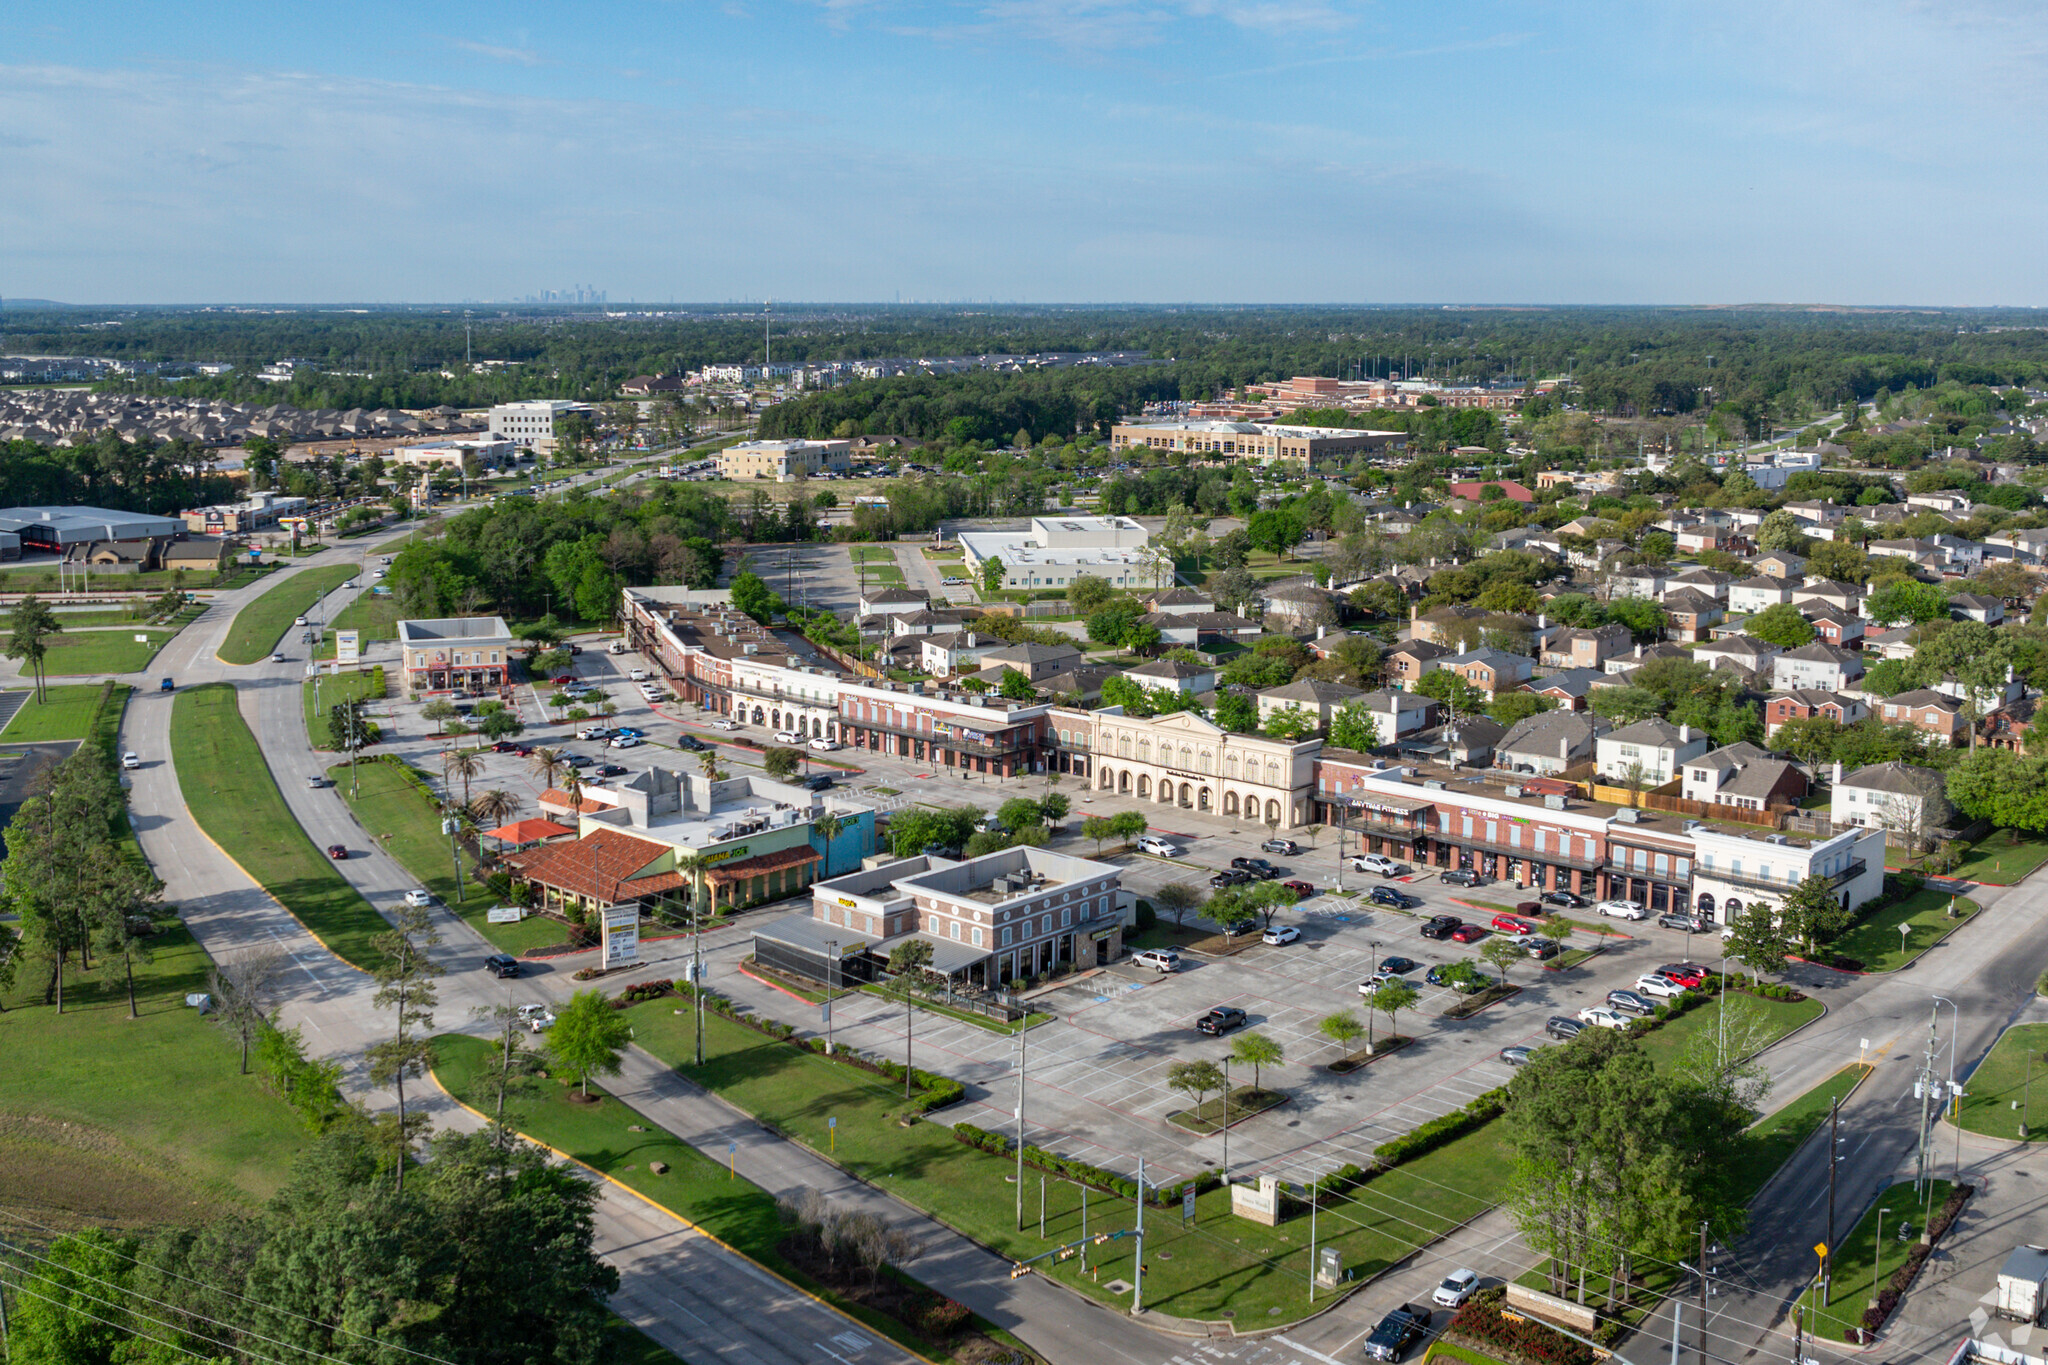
1096, 1177
1481, 1326
1902, 1278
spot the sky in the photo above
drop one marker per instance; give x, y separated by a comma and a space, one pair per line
1286, 151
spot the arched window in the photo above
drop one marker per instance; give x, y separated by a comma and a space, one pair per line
1187, 757
1706, 905
1272, 773
1208, 758
1144, 751
1230, 765
1123, 746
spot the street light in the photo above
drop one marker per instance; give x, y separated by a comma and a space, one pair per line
1226, 1120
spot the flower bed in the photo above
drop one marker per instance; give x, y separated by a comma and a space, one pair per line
1902, 1278
1520, 1340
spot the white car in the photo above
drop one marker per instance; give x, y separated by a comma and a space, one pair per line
300, 622
788, 737
825, 746
131, 759
1621, 910
725, 723
625, 742
1457, 1287
1602, 1017
1375, 862
638, 675
419, 897
1158, 847
1658, 985
349, 586
1280, 933
276, 657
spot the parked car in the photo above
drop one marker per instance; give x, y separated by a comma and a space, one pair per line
502, 965
824, 746
1621, 909
788, 737
1469, 933
625, 742
691, 743
610, 770
419, 896
1375, 981
131, 759
629, 730
1221, 1020
1462, 876
1398, 966
1285, 847
1631, 1002
1228, 877
562, 679
337, 852
1518, 1055
818, 782
1687, 974
1387, 895
1441, 926
1302, 890
1375, 862
1542, 949
636, 674
1258, 867
1159, 848
1663, 987
1158, 959
595, 732
1279, 934
1397, 1332
1514, 924
578, 760
1472, 986
1563, 898
724, 723
1459, 1285
1563, 1026
1690, 923
1601, 1017
504, 746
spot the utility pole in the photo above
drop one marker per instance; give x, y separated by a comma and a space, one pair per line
697, 971
1703, 1292
831, 987
1827, 1268
1021, 1033
1925, 1086
1138, 1261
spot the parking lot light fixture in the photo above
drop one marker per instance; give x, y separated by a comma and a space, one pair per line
1226, 1120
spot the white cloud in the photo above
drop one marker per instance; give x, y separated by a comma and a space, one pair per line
517, 56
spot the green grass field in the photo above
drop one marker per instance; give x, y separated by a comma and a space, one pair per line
1772, 1142
1876, 942
872, 554
376, 617
1779, 1017
259, 626
1998, 858
65, 715
331, 691
230, 793
1219, 1264
390, 805
103, 651
2000, 1096
72, 620
164, 1126
1862, 1261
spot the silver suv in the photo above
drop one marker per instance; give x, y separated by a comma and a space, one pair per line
1159, 959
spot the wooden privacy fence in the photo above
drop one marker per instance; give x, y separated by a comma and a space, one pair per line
1774, 818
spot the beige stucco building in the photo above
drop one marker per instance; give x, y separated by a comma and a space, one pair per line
1185, 761
783, 461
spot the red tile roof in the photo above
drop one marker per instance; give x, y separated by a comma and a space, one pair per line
601, 865
528, 831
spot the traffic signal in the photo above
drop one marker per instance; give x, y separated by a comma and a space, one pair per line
1018, 1272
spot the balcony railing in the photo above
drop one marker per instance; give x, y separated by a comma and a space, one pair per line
1854, 870
1522, 851
1017, 740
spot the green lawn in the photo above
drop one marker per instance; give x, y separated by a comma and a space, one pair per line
389, 804
71, 620
332, 691
1780, 1017
1220, 1264
1998, 858
1876, 942
229, 791
376, 617
166, 1128
1860, 1254
872, 554
103, 651
696, 1187
1771, 1143
64, 715
883, 574
259, 626
1999, 1095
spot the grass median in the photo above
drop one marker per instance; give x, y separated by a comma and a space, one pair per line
1864, 1259
260, 625
66, 714
103, 651
376, 617
1771, 1143
1215, 1265
1773, 1020
230, 793
1877, 944
332, 690
2000, 1095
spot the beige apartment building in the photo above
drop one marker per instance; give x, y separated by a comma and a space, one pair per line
784, 461
1185, 761
1263, 441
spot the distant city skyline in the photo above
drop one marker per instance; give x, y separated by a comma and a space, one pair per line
1286, 151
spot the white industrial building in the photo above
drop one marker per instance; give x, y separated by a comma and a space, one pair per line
1057, 550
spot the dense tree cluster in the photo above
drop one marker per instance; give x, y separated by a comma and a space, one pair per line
106, 471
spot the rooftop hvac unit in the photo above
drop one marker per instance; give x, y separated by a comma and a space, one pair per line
1553, 803
1512, 790
1434, 784
1625, 816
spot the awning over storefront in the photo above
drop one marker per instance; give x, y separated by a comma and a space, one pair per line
761, 865
1387, 803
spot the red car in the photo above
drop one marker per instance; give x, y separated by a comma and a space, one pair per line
1469, 933
1686, 974
564, 680
337, 852
1513, 924
1302, 890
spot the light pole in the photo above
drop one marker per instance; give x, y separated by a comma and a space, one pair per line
2027, 1107
831, 987
1021, 1034
1226, 1120
1374, 945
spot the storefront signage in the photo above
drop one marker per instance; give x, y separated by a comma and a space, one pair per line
851, 904
725, 853
621, 936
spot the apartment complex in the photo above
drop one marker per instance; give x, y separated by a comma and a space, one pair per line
1263, 441
784, 461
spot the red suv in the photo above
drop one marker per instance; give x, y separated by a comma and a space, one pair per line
1686, 974
1513, 924
1301, 890
1468, 933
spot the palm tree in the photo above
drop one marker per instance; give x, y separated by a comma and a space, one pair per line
546, 764
572, 787
708, 760
493, 807
463, 763
828, 827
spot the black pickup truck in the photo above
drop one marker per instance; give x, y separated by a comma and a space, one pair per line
1398, 1331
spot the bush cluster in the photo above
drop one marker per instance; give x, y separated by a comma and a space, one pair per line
1902, 1278
1096, 1177
1480, 1326
935, 1317
1438, 1131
